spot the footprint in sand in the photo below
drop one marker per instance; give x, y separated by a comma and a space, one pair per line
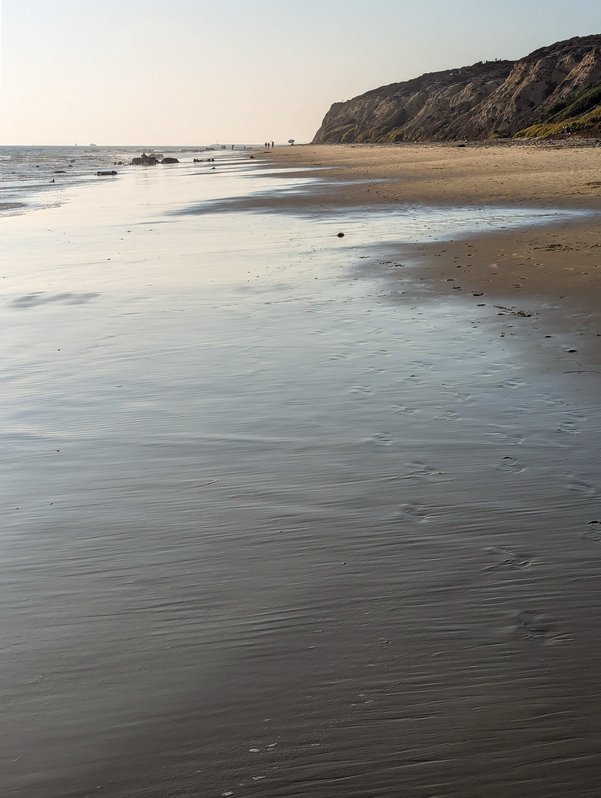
552, 399
415, 512
382, 439
418, 470
568, 428
404, 410
578, 485
448, 415
593, 532
514, 383
509, 463
510, 559
457, 396
530, 626
570, 425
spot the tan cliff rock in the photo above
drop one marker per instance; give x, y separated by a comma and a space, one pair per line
558, 86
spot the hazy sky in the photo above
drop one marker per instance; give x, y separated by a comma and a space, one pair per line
198, 71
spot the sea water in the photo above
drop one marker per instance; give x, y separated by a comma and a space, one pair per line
35, 177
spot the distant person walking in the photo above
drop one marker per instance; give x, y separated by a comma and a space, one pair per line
272, 145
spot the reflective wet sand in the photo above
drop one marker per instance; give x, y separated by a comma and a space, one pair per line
274, 527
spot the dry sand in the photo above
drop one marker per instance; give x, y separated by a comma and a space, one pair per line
436, 173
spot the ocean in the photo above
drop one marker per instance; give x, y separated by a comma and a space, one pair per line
275, 520
35, 177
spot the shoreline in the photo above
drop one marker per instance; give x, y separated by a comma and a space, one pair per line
33, 178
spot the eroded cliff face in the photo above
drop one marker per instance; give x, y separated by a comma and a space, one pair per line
491, 99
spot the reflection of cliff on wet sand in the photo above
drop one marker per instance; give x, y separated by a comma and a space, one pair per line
272, 527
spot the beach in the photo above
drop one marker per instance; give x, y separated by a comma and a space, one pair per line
558, 266
473, 173
287, 512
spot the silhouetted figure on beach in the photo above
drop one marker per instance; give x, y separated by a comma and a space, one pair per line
272, 145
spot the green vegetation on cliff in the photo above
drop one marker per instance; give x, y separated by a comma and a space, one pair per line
578, 116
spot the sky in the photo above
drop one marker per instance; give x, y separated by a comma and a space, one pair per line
200, 71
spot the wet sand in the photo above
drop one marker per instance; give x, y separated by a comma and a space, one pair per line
285, 514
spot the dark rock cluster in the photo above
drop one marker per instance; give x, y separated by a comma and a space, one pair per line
151, 160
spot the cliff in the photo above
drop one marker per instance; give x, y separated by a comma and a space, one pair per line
555, 91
